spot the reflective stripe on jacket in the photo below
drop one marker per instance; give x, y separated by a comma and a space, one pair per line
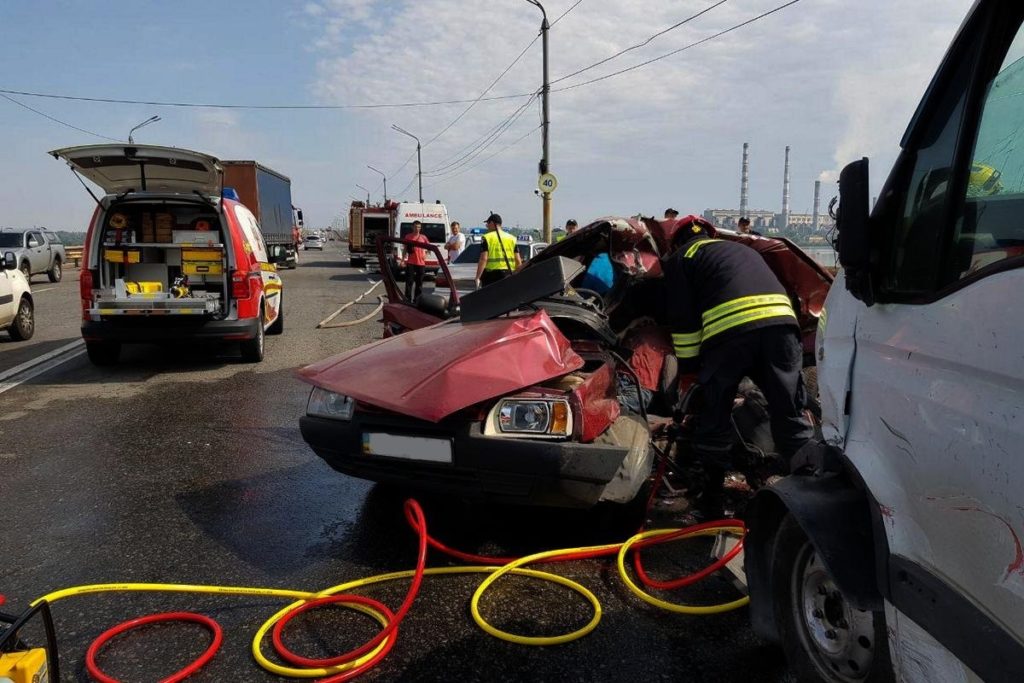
501, 250
718, 288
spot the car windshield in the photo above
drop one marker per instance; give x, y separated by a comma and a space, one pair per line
10, 239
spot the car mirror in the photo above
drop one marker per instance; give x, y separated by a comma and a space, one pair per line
33, 243
434, 304
852, 224
10, 260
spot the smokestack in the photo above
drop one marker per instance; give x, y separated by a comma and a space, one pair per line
785, 192
745, 181
817, 201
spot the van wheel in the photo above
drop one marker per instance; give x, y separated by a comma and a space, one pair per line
825, 638
26, 270
56, 272
24, 324
252, 349
278, 326
103, 354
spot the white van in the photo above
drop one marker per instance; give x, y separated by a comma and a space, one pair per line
436, 226
896, 555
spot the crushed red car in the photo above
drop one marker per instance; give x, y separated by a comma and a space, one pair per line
526, 391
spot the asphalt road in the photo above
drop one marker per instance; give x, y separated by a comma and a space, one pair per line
186, 465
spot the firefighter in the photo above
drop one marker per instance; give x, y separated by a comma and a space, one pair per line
731, 318
498, 257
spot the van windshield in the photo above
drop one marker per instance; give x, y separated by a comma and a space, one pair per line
10, 239
434, 231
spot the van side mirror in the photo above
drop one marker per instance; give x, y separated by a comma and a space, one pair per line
852, 223
299, 213
10, 260
434, 304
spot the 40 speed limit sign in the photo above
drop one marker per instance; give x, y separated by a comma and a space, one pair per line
547, 182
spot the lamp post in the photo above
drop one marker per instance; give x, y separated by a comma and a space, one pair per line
419, 164
367, 193
385, 181
545, 121
151, 119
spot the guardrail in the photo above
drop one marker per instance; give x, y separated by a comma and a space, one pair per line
74, 254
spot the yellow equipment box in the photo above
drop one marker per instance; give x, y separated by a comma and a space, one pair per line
24, 667
122, 255
202, 267
201, 254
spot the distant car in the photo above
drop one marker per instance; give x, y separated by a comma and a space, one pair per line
463, 270
37, 251
313, 242
17, 313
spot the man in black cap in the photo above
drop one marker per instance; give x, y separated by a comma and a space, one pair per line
670, 214
498, 258
731, 318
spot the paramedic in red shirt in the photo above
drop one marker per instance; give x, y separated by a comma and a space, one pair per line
414, 261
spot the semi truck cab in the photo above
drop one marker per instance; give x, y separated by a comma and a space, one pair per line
896, 554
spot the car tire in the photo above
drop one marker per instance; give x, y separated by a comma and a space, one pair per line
278, 325
103, 354
825, 638
26, 270
24, 325
253, 349
57, 272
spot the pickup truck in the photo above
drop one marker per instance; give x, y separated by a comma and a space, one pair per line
37, 251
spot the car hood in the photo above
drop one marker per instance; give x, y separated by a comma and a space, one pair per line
436, 371
120, 168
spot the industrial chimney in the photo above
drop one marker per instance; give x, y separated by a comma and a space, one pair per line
817, 201
785, 193
745, 181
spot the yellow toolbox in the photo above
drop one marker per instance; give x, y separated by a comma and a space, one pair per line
28, 666
202, 267
194, 254
122, 255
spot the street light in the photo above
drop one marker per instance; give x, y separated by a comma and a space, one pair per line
419, 164
385, 181
545, 121
367, 193
151, 119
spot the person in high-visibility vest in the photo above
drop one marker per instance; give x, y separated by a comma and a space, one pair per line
570, 228
498, 257
731, 318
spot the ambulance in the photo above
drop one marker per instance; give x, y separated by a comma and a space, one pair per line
436, 226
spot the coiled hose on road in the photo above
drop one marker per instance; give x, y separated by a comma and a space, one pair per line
359, 660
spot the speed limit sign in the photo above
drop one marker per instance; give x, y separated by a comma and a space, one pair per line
547, 182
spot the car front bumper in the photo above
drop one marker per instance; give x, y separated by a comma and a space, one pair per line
484, 468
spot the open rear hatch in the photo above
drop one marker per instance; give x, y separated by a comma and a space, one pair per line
121, 169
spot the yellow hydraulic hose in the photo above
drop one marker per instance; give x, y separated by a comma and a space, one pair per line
493, 574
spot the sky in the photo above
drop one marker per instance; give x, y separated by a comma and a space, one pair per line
833, 79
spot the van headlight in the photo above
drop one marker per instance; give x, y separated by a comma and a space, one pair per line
323, 403
540, 416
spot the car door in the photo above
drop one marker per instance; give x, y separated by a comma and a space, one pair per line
399, 314
937, 387
37, 252
7, 308
268, 272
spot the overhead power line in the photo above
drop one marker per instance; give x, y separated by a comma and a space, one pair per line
560, 16
642, 43
677, 51
486, 159
56, 120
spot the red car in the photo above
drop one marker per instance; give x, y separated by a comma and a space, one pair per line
520, 392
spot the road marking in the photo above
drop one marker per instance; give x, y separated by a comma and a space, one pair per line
10, 378
40, 291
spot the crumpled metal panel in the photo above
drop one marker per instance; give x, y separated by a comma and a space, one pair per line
433, 372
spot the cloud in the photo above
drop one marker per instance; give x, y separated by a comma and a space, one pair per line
836, 80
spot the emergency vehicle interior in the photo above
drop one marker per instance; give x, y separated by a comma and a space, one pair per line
166, 256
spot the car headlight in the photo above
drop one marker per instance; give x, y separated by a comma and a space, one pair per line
323, 403
550, 417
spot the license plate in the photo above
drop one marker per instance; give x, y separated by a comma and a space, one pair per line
408, 447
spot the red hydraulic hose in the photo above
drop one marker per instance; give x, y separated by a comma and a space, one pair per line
97, 674
414, 512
